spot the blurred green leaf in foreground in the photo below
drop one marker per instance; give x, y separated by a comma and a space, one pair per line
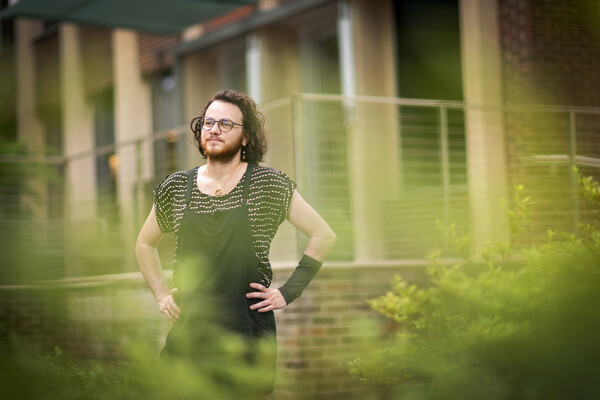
515, 324
223, 373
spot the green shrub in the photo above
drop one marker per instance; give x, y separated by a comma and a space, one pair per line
24, 178
515, 324
223, 373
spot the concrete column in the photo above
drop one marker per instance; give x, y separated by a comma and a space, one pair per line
78, 144
29, 128
199, 81
133, 128
373, 134
279, 58
278, 49
78, 128
481, 61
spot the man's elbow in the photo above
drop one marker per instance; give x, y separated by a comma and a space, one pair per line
142, 245
330, 237
139, 243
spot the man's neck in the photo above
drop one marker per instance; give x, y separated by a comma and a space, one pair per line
218, 169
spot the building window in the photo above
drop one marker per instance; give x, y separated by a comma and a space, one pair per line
432, 146
232, 67
7, 29
325, 180
429, 67
166, 114
428, 49
320, 60
106, 158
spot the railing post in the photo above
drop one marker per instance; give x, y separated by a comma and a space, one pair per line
299, 161
138, 198
298, 143
572, 174
445, 162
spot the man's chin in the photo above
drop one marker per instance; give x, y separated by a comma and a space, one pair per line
222, 152
221, 156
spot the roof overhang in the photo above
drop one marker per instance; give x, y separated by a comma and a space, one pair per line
158, 16
255, 21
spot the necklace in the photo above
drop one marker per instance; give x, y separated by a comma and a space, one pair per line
219, 190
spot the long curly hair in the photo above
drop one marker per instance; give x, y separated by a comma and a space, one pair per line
252, 119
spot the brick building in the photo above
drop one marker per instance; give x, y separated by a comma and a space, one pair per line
388, 114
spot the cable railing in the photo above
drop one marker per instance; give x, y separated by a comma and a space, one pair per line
381, 171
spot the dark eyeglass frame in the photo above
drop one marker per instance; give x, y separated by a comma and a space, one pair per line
222, 124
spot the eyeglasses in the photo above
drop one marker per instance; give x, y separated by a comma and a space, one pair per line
225, 124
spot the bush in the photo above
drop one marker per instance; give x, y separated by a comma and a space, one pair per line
24, 179
515, 324
223, 373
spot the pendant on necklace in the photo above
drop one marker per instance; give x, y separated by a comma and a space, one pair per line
218, 192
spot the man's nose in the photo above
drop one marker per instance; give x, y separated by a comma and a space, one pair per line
215, 130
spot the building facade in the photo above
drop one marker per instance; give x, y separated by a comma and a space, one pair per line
389, 114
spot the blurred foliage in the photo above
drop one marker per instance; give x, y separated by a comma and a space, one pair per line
214, 365
516, 324
588, 190
24, 180
20, 176
517, 211
222, 372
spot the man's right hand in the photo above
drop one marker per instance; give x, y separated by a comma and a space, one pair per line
167, 306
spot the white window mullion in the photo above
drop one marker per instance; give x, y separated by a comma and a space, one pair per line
253, 67
346, 49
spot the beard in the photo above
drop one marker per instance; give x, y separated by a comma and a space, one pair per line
224, 154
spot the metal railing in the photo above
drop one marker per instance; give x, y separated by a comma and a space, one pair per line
417, 151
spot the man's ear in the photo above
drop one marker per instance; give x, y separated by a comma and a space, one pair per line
245, 140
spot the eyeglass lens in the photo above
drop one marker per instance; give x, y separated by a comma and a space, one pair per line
225, 124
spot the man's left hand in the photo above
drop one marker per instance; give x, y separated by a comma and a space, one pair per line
272, 298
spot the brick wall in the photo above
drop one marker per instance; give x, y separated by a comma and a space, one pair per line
330, 325
550, 51
318, 334
96, 47
155, 52
90, 320
550, 56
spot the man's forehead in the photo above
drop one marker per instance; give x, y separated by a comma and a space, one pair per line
224, 108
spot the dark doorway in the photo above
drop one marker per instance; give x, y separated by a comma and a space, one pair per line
428, 49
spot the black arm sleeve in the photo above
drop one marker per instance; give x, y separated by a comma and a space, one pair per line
304, 273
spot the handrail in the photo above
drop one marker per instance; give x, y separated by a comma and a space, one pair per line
446, 103
265, 106
564, 159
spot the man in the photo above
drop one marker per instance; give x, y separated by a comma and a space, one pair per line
224, 215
